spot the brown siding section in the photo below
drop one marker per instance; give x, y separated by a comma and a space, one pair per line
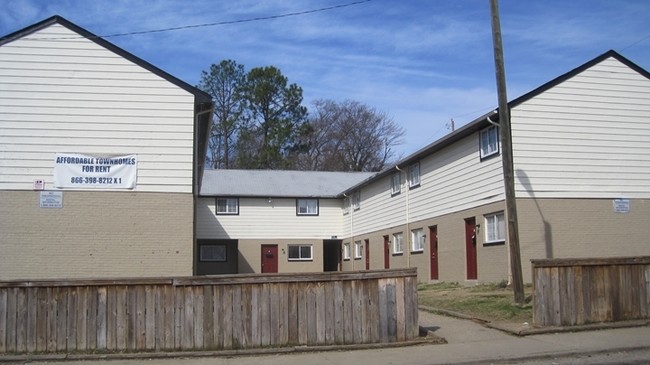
581, 228
492, 260
95, 234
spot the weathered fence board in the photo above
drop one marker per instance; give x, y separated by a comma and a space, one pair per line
579, 291
212, 313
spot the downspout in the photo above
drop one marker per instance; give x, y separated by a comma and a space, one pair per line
351, 212
408, 231
196, 174
508, 254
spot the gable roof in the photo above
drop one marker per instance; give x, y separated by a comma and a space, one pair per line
482, 122
200, 95
279, 183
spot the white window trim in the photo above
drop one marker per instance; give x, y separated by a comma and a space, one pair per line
346, 251
298, 201
358, 250
496, 149
401, 243
417, 240
216, 206
300, 247
413, 184
346, 205
395, 188
491, 225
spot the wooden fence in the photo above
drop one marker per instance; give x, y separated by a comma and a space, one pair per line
208, 313
579, 291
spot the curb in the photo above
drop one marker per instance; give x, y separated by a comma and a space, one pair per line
537, 330
426, 338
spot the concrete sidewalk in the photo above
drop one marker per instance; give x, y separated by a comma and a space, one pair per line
468, 342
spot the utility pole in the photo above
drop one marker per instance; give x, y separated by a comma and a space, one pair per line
507, 157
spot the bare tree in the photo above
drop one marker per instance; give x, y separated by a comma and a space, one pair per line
349, 136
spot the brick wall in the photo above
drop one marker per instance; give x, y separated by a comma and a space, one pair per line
95, 234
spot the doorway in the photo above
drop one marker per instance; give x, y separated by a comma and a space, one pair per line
269, 258
386, 253
331, 255
470, 248
367, 243
433, 246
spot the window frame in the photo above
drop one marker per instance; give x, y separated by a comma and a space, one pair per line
412, 168
298, 213
356, 200
420, 240
395, 242
224, 255
227, 199
358, 250
395, 188
492, 236
497, 147
300, 247
346, 251
346, 205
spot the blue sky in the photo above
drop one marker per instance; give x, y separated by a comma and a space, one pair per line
423, 62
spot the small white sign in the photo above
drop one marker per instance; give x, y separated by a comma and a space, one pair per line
621, 205
51, 199
39, 184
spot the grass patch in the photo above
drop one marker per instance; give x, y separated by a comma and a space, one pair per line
492, 302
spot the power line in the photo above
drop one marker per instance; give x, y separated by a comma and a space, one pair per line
228, 22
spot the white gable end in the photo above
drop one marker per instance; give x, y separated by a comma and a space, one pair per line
587, 137
63, 93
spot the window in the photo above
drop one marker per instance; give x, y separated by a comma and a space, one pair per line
489, 142
358, 252
346, 205
346, 251
495, 229
307, 206
397, 243
299, 252
396, 184
228, 206
414, 175
417, 240
214, 253
356, 200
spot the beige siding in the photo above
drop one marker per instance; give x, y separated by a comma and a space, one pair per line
62, 93
586, 137
260, 219
107, 234
581, 228
492, 261
453, 179
250, 255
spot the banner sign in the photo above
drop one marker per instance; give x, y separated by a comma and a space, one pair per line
84, 171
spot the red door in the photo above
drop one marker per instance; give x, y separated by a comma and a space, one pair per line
269, 258
367, 243
386, 253
433, 243
470, 248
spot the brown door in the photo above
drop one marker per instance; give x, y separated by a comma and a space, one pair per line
433, 243
367, 243
470, 248
386, 253
269, 258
